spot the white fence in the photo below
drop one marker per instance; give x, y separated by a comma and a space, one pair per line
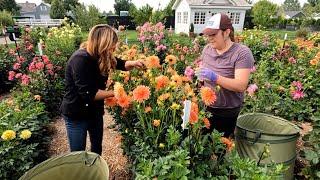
39, 22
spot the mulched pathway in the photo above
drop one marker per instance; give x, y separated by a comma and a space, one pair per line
111, 150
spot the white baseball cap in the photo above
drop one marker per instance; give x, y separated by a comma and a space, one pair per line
217, 22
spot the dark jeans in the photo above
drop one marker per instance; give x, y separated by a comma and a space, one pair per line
77, 133
223, 120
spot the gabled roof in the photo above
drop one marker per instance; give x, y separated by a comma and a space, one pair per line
27, 7
49, 5
293, 13
236, 3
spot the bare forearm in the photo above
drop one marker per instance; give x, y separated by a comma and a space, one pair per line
102, 94
231, 84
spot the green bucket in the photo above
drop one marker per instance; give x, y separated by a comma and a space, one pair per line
255, 130
79, 165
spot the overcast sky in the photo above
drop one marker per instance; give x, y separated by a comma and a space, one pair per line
106, 5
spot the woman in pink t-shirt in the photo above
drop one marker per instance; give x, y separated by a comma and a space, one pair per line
227, 64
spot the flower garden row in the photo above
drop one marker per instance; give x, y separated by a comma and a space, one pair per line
148, 104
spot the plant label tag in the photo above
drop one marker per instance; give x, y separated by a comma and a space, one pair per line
285, 36
14, 37
186, 114
40, 49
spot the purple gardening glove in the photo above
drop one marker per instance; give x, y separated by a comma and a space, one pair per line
206, 74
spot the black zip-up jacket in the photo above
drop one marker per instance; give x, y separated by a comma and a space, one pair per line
82, 81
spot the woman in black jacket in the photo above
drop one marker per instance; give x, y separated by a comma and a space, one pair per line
86, 74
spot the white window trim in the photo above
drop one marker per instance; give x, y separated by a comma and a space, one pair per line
185, 17
179, 17
199, 17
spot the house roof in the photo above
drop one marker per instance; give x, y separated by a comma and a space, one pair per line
293, 13
235, 3
27, 7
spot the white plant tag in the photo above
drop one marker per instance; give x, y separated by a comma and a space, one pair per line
40, 49
186, 114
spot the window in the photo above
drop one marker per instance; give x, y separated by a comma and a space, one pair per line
179, 17
231, 16
43, 8
199, 18
185, 17
237, 19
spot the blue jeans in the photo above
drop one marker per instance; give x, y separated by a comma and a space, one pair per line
77, 133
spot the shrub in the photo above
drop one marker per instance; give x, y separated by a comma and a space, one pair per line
19, 153
5, 65
302, 33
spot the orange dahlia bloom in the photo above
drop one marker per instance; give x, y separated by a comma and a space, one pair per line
141, 93
164, 97
314, 62
194, 113
124, 101
156, 123
147, 109
171, 59
153, 62
177, 80
111, 101
119, 90
208, 96
161, 82
228, 143
206, 123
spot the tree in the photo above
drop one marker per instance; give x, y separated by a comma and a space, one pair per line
10, 6
291, 5
122, 5
57, 10
309, 10
86, 18
168, 11
68, 4
263, 12
141, 15
47, 1
5, 19
314, 3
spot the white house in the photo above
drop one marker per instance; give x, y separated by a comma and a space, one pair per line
200, 11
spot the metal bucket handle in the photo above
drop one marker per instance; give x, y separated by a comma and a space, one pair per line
256, 137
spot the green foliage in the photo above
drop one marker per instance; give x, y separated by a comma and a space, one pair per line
69, 4
302, 33
86, 19
172, 166
276, 77
61, 43
312, 150
57, 10
122, 5
259, 42
10, 6
263, 11
168, 9
157, 16
291, 5
142, 15
5, 19
21, 112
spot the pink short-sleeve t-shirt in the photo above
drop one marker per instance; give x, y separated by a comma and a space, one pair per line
237, 57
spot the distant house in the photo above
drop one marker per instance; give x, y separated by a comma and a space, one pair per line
199, 12
42, 11
28, 9
294, 14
